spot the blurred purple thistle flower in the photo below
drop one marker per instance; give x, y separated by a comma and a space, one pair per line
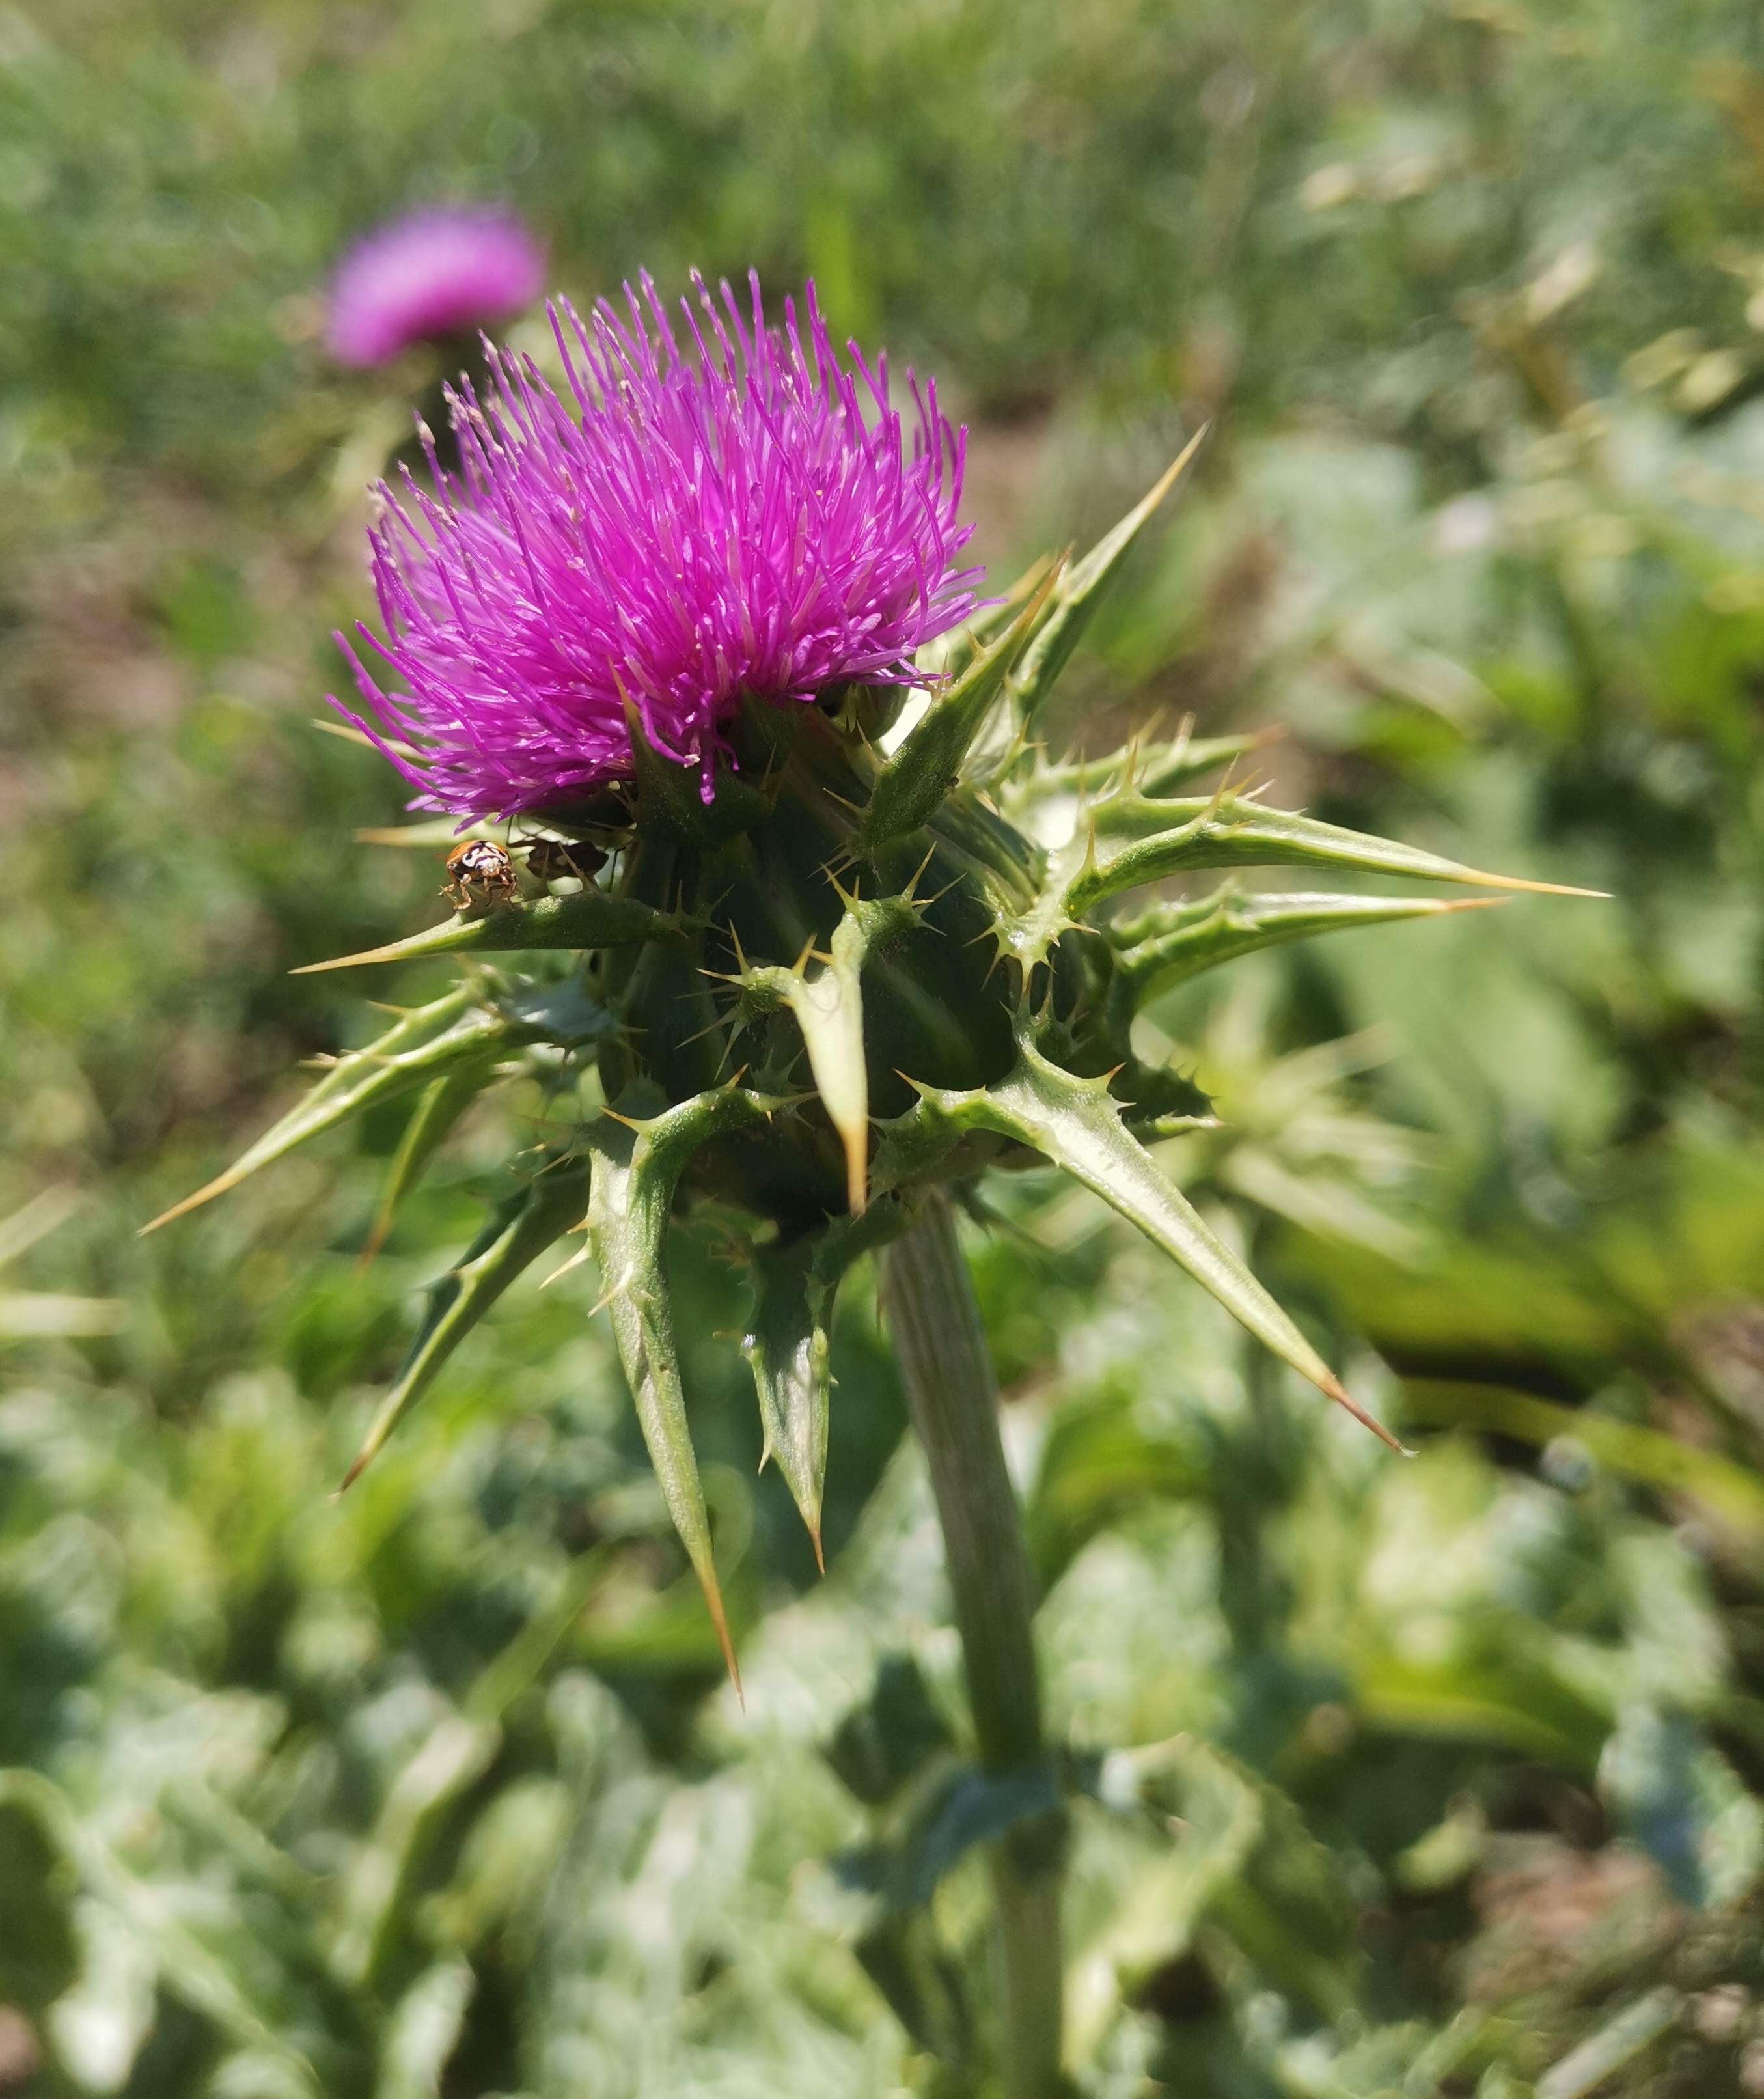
698, 528
430, 273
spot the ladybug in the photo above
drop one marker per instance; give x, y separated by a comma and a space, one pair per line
478, 864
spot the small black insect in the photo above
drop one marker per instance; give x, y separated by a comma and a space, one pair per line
552, 859
478, 864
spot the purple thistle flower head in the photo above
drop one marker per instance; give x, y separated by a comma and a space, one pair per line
429, 274
742, 516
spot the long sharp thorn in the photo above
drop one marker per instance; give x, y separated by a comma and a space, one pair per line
575, 1261
714, 1602
1336, 1391
1538, 888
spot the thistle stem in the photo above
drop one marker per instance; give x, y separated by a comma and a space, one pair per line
941, 1346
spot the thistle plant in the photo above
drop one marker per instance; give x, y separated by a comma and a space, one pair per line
427, 275
802, 912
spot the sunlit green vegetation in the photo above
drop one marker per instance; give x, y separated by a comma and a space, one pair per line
1435, 1777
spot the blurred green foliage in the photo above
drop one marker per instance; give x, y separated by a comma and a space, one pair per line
1414, 1779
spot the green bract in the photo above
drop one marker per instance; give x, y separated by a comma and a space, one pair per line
860, 971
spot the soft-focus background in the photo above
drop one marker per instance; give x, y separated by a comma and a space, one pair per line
437, 1790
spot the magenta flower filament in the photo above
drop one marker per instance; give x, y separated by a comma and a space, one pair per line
742, 516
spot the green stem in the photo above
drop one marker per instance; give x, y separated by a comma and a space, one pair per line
942, 1350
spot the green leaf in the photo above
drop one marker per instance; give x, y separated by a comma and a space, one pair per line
1732, 1494
39, 1957
968, 1807
916, 780
422, 2030
518, 1232
371, 1906
187, 1967
786, 1346
1081, 590
1096, 1464
1230, 830
439, 1107
636, 1167
1490, 1690
1074, 1123
888, 1740
591, 918
458, 1034
921, 1985
950, 654
1246, 1863
1176, 942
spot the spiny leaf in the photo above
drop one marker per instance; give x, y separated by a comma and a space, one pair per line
456, 1034
636, 1166
518, 1232
829, 1009
1168, 946
1074, 1123
1183, 758
591, 918
1081, 590
916, 781
439, 1107
786, 1346
1228, 830
1187, 758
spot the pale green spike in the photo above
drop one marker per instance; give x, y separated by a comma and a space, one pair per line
444, 832
636, 1167
1187, 758
1183, 758
591, 918
1167, 838
457, 1033
1075, 1123
786, 1346
950, 654
1082, 589
517, 1233
439, 1107
1168, 946
914, 783
829, 1009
